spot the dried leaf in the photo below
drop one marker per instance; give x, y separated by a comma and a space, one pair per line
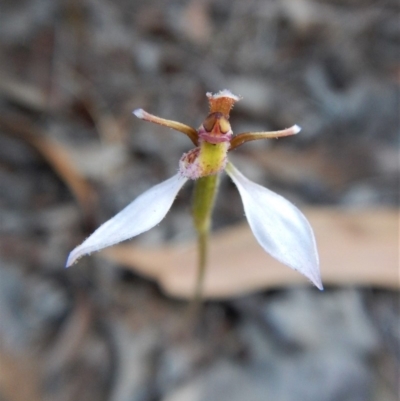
356, 248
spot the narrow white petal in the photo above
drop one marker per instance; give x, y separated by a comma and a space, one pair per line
280, 228
146, 211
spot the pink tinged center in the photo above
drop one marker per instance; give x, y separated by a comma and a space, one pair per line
215, 134
207, 159
215, 129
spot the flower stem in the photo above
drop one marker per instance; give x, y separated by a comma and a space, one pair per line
203, 203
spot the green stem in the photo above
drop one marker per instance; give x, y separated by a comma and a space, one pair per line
203, 203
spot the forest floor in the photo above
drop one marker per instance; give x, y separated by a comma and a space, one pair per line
72, 155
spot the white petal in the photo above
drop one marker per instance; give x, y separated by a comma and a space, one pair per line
146, 211
280, 228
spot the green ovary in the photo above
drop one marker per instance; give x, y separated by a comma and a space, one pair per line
212, 158
205, 160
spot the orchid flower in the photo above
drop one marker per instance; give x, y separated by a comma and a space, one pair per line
279, 227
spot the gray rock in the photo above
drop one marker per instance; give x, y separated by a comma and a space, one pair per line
223, 382
29, 307
135, 363
312, 320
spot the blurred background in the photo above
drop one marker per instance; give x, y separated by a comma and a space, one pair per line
72, 155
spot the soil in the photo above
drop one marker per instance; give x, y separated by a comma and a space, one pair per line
72, 155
